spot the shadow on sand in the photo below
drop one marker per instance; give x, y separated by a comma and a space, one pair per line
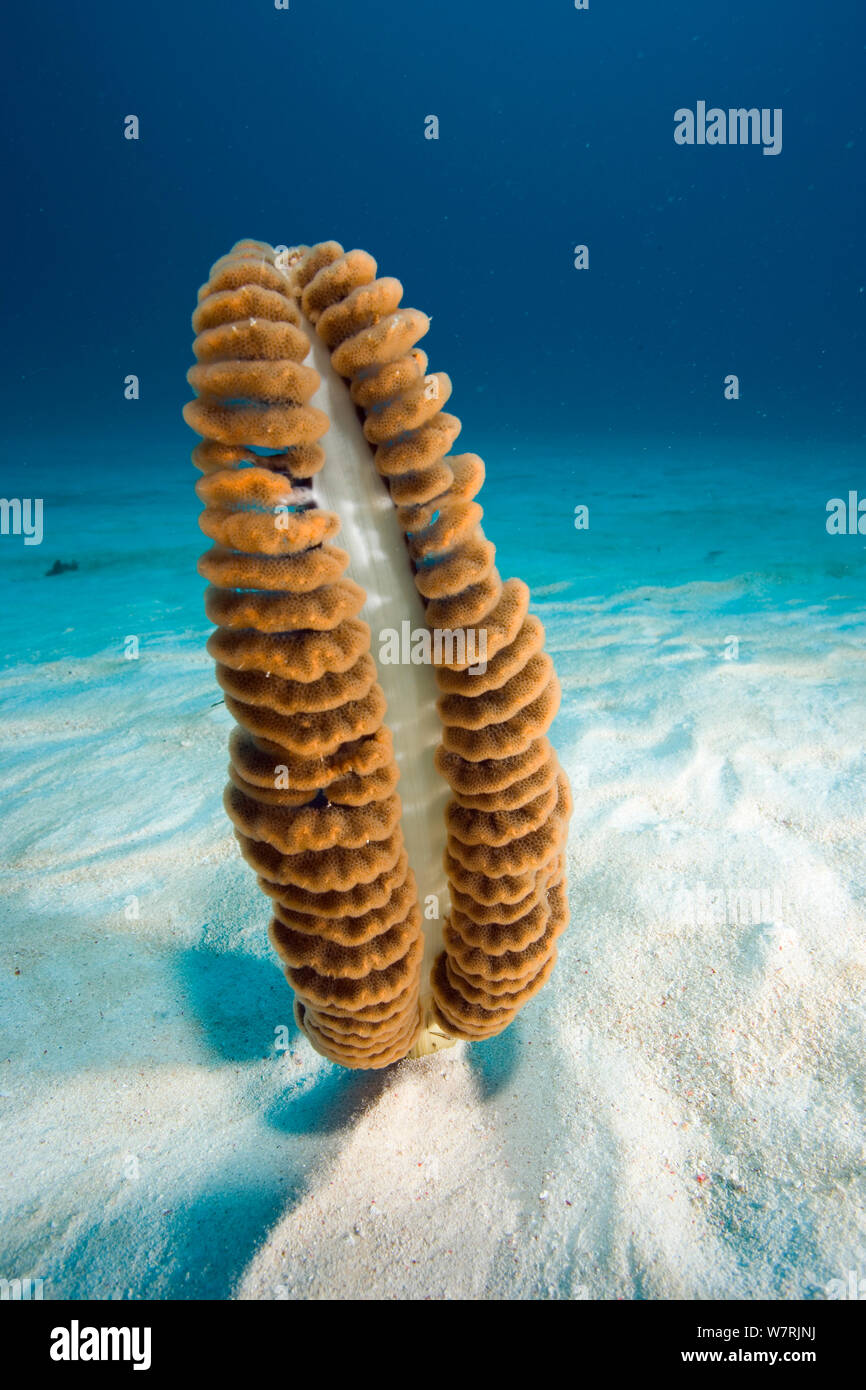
496, 1060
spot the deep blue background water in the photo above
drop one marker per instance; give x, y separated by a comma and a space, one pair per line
556, 128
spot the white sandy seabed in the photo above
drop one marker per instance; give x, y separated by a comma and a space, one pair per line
678, 1115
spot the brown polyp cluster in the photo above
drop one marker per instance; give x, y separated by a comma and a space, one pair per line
508, 818
312, 793
313, 782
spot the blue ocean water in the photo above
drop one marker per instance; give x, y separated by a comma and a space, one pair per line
657, 517
555, 130
601, 388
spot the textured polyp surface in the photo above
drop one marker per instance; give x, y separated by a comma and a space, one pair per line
508, 818
313, 772
312, 790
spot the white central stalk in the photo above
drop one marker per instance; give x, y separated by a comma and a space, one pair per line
379, 561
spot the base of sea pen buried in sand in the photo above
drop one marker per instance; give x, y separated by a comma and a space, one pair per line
431, 1038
